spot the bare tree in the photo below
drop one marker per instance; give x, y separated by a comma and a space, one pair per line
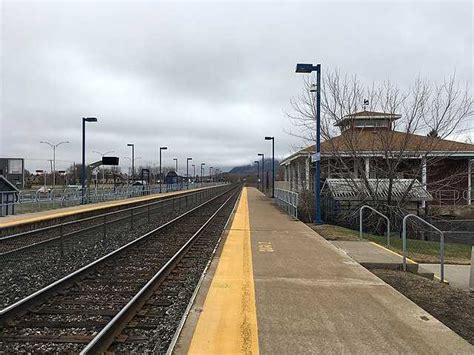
432, 110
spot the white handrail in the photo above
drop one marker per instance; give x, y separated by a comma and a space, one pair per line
441, 242
380, 214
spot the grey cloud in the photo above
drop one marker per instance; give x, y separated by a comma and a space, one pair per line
207, 79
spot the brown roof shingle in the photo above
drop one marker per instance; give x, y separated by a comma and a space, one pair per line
385, 140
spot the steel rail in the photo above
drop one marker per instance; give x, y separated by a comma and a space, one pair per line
79, 231
107, 335
86, 219
22, 305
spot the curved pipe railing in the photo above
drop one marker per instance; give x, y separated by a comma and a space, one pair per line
441, 243
380, 214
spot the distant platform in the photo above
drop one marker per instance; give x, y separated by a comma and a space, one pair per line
277, 287
38, 217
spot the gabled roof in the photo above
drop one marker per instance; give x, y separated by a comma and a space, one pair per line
7, 186
357, 189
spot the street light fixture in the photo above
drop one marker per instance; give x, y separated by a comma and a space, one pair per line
187, 172
133, 160
161, 177
202, 171
54, 146
83, 175
176, 161
263, 170
309, 68
258, 173
273, 163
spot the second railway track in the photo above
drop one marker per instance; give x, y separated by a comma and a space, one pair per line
91, 309
31, 260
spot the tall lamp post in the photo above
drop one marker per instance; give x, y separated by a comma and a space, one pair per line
273, 163
263, 170
176, 161
83, 175
187, 172
258, 173
202, 171
133, 160
161, 177
54, 146
309, 68
103, 155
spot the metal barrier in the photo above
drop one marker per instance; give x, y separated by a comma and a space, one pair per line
288, 200
441, 243
380, 214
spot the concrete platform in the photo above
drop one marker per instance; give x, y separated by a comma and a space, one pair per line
373, 255
456, 275
280, 288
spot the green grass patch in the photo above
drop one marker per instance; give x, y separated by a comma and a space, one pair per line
418, 250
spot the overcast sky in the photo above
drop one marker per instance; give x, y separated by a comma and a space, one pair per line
207, 79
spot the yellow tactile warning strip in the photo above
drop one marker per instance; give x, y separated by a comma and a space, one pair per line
228, 322
87, 208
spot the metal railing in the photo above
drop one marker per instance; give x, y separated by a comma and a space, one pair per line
287, 200
380, 214
37, 200
452, 197
404, 240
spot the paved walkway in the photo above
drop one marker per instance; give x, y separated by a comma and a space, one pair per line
370, 253
297, 293
456, 275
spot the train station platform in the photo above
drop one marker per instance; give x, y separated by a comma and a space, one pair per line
42, 216
277, 287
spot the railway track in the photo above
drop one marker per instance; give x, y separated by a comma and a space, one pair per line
90, 310
32, 238
42, 256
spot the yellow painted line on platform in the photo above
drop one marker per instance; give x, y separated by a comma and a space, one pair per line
391, 251
228, 322
408, 260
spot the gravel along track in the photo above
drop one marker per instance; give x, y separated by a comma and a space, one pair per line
152, 329
34, 268
67, 321
72, 224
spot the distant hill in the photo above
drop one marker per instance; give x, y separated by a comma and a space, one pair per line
251, 169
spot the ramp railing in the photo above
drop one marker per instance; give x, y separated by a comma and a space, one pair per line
380, 214
441, 242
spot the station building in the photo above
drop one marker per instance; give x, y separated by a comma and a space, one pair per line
355, 164
13, 169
